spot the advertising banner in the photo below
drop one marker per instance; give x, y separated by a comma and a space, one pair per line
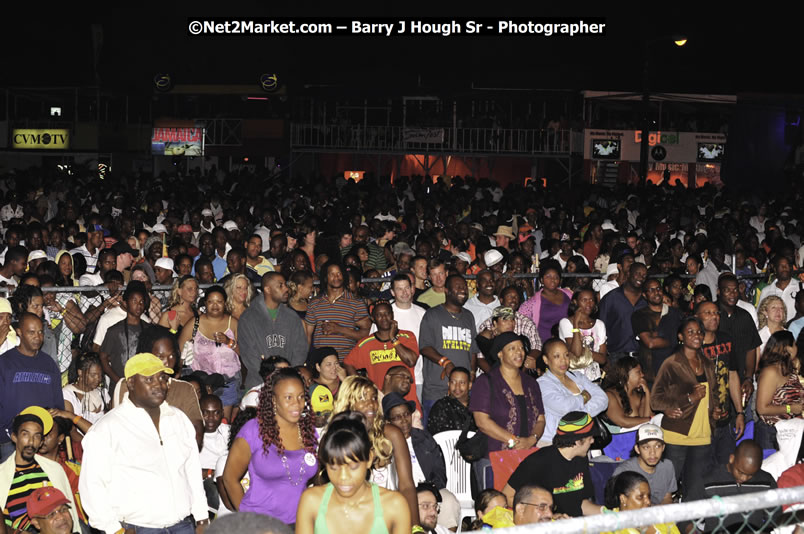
48, 139
177, 142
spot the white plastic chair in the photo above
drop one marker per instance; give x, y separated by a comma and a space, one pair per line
458, 471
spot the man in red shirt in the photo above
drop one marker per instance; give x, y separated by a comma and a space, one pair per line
387, 347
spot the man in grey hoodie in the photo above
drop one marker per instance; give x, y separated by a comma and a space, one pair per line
268, 327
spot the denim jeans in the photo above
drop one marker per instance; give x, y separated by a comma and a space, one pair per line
690, 462
427, 405
185, 526
723, 442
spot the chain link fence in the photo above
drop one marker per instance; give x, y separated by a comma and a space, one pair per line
748, 513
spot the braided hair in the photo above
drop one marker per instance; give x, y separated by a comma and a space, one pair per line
83, 362
266, 414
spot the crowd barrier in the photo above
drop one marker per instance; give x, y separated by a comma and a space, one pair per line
756, 512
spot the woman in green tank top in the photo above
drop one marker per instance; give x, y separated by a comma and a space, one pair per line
348, 502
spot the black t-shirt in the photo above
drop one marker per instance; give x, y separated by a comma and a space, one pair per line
643, 320
568, 480
719, 353
120, 344
740, 326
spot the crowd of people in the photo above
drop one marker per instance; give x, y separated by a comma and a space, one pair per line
208, 351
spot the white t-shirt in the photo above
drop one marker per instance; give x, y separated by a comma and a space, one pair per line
216, 444
596, 334
418, 474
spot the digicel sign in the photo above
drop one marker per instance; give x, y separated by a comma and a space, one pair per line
177, 135
41, 139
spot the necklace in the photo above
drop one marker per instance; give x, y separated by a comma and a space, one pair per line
302, 471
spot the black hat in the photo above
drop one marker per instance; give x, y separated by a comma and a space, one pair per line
394, 399
499, 342
122, 247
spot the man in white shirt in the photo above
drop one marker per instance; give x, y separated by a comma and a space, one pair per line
482, 305
783, 287
216, 445
408, 316
141, 465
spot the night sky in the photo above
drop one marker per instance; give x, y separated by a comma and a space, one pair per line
726, 53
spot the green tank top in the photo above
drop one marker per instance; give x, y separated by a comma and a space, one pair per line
377, 526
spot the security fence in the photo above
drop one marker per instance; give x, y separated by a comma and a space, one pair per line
748, 513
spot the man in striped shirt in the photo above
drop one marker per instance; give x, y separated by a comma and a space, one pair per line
336, 319
25, 471
93, 245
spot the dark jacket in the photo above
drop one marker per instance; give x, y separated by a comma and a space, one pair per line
430, 457
674, 381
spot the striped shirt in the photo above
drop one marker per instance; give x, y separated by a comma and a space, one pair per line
345, 311
92, 259
27, 478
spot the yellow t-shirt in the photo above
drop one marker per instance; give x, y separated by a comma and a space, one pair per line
700, 432
661, 528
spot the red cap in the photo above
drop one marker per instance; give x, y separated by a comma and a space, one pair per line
44, 500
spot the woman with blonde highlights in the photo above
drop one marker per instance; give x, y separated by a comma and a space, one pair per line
239, 292
391, 467
181, 305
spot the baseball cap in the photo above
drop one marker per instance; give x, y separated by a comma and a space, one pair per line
164, 263
230, 226
159, 228
394, 399
42, 501
184, 229
5, 305
42, 414
648, 432
37, 255
504, 312
321, 399
578, 425
94, 228
206, 212
145, 364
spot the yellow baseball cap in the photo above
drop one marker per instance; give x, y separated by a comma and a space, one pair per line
41, 413
145, 364
321, 399
5, 305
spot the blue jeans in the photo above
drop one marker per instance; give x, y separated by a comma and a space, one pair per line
230, 392
723, 442
690, 463
427, 405
185, 526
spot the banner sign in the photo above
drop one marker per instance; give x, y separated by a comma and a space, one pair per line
177, 142
50, 139
424, 135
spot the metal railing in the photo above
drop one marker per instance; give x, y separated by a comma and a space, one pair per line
761, 512
453, 140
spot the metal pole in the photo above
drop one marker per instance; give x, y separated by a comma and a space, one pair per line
643, 149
